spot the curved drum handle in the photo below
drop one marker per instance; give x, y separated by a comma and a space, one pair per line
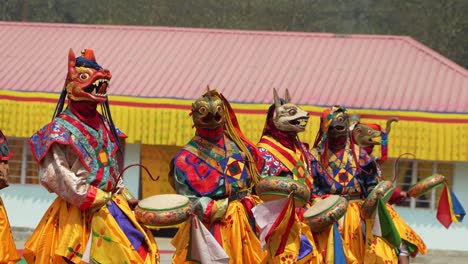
395, 165
141, 165
133, 165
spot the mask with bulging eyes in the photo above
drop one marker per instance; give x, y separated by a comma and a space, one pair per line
339, 122
363, 135
208, 111
86, 80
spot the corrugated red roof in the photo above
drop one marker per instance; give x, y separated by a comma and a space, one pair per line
358, 71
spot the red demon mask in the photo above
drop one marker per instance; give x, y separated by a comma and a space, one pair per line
86, 80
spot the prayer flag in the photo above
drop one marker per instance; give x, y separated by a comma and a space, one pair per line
384, 226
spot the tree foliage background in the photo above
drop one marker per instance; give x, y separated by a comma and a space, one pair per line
440, 24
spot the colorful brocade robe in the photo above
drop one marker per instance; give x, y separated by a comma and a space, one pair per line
282, 161
353, 178
206, 170
91, 216
343, 176
95, 149
214, 176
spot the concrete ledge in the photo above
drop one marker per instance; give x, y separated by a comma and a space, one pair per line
441, 257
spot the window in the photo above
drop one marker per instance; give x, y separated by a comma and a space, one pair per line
22, 165
410, 172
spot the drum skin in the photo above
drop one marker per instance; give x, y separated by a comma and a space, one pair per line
383, 189
163, 210
426, 185
325, 212
275, 187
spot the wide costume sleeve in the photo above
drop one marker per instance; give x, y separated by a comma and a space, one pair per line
368, 176
207, 209
62, 173
319, 187
273, 167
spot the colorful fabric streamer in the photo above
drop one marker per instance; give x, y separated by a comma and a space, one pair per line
203, 247
277, 236
450, 209
384, 226
335, 252
265, 215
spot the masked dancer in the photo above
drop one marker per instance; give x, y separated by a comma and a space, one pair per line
365, 135
217, 169
342, 167
8, 253
78, 153
286, 156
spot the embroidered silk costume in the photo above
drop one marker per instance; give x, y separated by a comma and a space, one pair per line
8, 253
344, 168
216, 169
286, 156
78, 154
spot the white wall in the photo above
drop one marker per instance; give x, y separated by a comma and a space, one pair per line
131, 176
460, 183
26, 203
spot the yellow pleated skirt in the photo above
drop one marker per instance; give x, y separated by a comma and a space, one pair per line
291, 251
407, 234
240, 242
66, 232
8, 253
321, 239
366, 248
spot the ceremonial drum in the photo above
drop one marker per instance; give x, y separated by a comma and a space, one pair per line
163, 210
382, 190
275, 187
426, 185
325, 212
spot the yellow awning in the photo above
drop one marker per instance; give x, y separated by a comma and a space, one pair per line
162, 121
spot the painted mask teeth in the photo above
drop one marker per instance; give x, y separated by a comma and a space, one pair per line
97, 85
98, 82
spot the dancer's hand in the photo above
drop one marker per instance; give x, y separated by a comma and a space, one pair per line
132, 203
398, 196
403, 196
